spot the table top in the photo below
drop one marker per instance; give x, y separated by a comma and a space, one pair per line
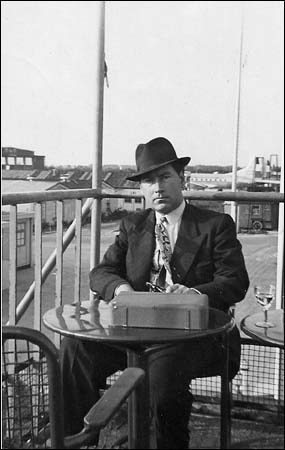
93, 321
274, 335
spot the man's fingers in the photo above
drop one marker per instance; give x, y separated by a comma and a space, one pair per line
177, 289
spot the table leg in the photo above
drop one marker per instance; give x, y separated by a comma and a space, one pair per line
225, 398
139, 406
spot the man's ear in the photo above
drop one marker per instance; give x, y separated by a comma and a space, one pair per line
182, 179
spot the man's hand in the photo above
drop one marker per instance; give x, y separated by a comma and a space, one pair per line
180, 289
123, 288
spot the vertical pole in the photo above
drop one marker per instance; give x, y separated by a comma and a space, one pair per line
98, 137
12, 264
280, 247
280, 288
59, 253
10, 394
235, 160
78, 250
38, 267
59, 262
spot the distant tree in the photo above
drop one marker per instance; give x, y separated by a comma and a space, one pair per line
203, 168
199, 168
64, 168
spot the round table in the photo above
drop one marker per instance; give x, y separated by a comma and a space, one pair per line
272, 336
93, 321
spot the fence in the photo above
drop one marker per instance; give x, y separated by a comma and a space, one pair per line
255, 384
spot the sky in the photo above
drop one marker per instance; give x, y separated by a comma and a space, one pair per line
173, 71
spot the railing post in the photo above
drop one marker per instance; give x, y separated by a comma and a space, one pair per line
280, 248
59, 252
78, 240
38, 266
12, 264
9, 400
279, 367
49, 265
59, 261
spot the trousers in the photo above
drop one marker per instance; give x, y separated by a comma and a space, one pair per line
85, 366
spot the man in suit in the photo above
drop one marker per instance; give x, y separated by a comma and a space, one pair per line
202, 254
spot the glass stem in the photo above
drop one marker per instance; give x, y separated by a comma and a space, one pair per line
265, 315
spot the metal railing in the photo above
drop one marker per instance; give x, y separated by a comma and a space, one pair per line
258, 385
75, 231
203, 387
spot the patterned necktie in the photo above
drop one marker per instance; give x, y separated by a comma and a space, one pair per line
163, 240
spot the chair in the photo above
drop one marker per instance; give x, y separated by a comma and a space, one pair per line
32, 405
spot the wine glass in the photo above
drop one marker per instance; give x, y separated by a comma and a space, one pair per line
264, 294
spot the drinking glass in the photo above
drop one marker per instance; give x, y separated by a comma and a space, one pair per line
264, 295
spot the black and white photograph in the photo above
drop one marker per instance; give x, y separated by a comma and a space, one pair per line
142, 250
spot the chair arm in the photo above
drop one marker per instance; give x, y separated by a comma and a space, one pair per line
83, 438
106, 407
101, 413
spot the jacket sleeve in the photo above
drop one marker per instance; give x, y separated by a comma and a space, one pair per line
111, 272
229, 281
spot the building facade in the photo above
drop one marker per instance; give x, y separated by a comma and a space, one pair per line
17, 159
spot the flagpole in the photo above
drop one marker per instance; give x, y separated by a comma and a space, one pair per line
98, 135
235, 159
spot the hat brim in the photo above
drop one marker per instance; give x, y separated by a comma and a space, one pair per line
183, 161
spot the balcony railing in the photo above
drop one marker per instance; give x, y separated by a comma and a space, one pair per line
85, 200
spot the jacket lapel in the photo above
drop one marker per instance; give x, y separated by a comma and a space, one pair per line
143, 244
188, 242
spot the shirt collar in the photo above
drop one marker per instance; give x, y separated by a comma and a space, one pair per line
174, 216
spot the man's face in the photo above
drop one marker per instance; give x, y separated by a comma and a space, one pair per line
162, 189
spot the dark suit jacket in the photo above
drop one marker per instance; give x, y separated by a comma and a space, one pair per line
207, 256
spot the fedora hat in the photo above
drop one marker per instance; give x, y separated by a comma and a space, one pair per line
155, 154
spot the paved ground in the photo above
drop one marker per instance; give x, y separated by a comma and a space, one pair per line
205, 433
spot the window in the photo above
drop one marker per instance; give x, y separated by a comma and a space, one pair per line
28, 161
128, 200
256, 211
21, 234
19, 161
11, 160
137, 200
